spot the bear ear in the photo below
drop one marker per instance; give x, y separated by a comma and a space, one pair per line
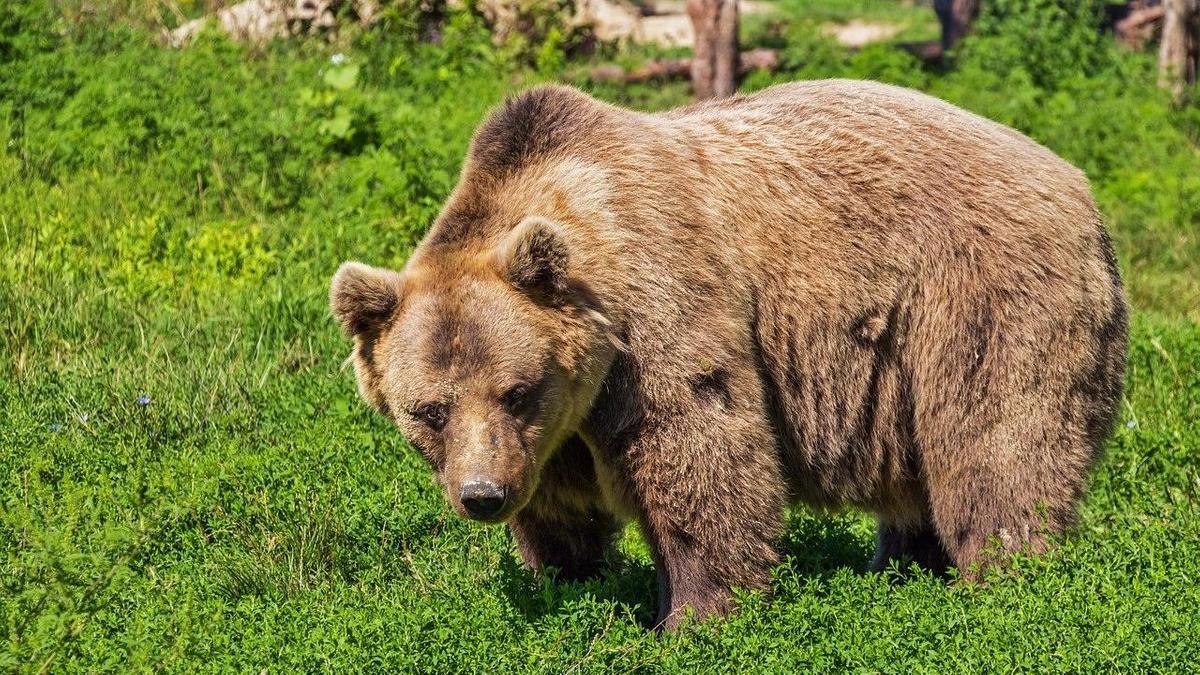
362, 296
534, 258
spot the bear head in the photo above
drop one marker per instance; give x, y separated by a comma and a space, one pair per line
487, 357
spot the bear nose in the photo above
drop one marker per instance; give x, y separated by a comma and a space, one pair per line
482, 498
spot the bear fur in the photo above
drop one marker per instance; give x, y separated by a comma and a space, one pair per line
833, 293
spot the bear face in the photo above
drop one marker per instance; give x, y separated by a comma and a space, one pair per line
486, 358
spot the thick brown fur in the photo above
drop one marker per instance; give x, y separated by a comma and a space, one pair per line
835, 293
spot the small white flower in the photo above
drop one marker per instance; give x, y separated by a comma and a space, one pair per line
83, 417
337, 59
1131, 424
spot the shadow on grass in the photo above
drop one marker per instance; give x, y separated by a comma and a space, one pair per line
811, 546
630, 583
822, 546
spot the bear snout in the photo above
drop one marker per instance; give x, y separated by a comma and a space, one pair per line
483, 499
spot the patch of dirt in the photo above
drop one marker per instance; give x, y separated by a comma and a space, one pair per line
859, 33
666, 23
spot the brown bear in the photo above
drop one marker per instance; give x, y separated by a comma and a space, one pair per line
833, 293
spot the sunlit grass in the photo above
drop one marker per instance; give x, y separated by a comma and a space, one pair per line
189, 482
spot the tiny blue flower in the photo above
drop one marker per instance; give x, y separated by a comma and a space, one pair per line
84, 417
1131, 424
337, 59
144, 400
56, 427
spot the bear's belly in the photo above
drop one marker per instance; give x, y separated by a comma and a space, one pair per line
842, 409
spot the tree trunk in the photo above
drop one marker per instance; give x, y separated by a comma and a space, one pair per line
1177, 54
956, 17
715, 50
725, 71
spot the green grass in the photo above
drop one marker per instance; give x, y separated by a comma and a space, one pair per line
168, 224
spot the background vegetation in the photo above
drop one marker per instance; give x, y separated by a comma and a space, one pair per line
188, 481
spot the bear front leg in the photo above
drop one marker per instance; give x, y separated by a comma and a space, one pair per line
711, 500
573, 542
565, 526
908, 543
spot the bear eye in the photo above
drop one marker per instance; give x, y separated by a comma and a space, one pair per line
433, 415
517, 400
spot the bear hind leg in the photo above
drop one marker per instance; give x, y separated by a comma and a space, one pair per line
1010, 404
1012, 491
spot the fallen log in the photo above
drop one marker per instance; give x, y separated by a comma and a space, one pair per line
661, 69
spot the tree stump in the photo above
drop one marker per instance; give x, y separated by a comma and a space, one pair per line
956, 17
714, 65
1179, 50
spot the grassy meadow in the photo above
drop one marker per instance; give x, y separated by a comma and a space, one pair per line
188, 481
